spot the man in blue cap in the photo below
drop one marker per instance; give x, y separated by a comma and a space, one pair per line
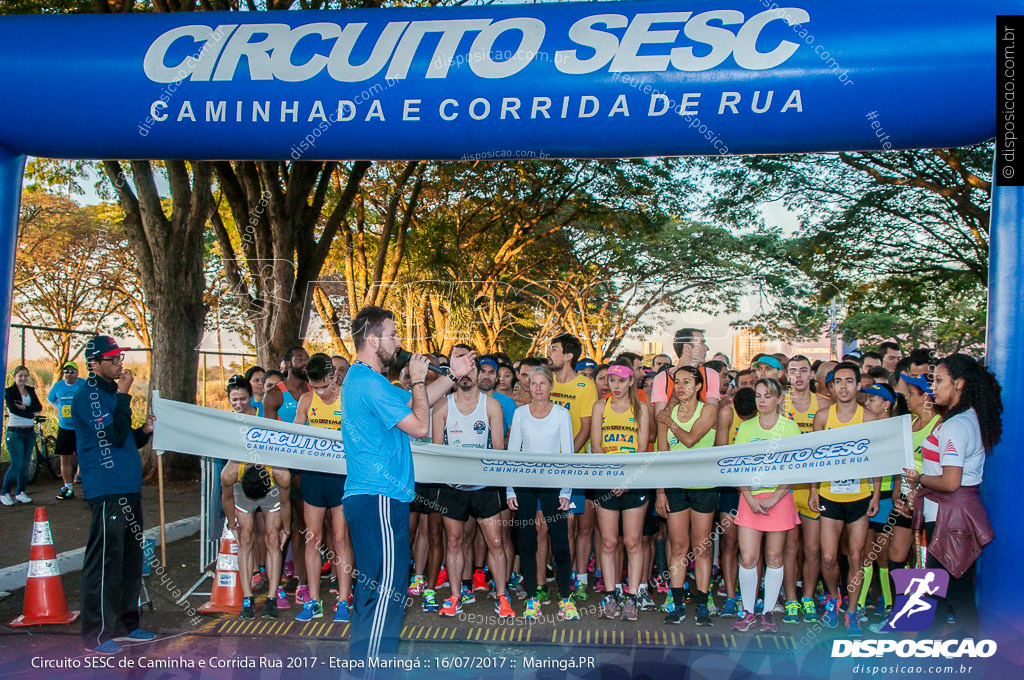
768, 367
587, 367
108, 456
487, 381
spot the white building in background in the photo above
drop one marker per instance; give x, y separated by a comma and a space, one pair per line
745, 345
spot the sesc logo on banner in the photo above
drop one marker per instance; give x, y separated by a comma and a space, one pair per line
914, 611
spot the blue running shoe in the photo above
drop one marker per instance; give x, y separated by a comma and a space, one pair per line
729, 609
853, 628
830, 619
759, 606
138, 635
310, 610
810, 611
341, 613
468, 596
109, 648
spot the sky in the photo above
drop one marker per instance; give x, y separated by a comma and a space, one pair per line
717, 328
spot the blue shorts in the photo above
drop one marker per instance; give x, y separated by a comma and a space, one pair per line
884, 508
577, 502
728, 500
322, 490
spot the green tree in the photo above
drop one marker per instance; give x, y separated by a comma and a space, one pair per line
901, 238
70, 271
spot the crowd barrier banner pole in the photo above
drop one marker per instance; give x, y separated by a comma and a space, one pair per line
999, 596
209, 518
12, 167
163, 522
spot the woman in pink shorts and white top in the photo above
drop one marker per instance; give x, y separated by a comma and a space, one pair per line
767, 511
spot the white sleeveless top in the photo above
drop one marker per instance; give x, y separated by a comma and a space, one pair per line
471, 431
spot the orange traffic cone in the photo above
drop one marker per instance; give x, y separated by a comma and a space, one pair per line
44, 589
226, 597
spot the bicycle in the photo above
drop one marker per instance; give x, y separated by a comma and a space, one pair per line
44, 454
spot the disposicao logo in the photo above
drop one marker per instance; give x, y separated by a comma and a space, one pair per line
914, 611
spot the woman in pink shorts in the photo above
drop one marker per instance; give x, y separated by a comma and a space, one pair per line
767, 510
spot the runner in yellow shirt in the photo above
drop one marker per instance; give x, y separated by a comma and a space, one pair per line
620, 424
576, 393
800, 406
322, 493
848, 503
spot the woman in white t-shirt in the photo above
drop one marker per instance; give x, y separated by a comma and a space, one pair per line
954, 460
542, 427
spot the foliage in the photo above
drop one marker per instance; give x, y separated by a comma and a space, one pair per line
72, 271
899, 238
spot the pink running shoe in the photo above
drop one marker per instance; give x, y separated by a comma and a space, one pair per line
282, 599
301, 595
416, 586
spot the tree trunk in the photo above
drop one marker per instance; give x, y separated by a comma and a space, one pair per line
169, 252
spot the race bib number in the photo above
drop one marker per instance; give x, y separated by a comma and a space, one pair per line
65, 411
845, 486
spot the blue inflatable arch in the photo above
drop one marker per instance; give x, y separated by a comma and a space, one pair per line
579, 80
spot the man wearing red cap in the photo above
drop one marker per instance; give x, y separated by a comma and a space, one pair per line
111, 469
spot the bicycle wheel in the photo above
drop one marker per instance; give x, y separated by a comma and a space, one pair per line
33, 465
49, 448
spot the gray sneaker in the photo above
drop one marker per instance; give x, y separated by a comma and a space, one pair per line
610, 606
629, 608
644, 600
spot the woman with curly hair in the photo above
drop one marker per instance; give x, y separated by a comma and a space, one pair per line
954, 460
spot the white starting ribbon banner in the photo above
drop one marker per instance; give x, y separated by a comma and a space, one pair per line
870, 450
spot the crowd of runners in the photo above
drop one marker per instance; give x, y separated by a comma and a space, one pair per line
747, 556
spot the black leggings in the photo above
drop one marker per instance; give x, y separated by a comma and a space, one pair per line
558, 529
960, 594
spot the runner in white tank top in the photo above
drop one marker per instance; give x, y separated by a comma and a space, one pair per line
482, 428
467, 431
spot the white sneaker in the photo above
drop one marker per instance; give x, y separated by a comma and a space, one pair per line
6, 499
22, 498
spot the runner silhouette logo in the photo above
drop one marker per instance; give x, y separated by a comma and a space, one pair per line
914, 610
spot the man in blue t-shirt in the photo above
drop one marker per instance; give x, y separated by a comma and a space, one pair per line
377, 420
60, 397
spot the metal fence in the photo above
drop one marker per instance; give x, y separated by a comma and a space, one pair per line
26, 346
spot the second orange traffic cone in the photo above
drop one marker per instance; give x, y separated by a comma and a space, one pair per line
226, 597
44, 590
